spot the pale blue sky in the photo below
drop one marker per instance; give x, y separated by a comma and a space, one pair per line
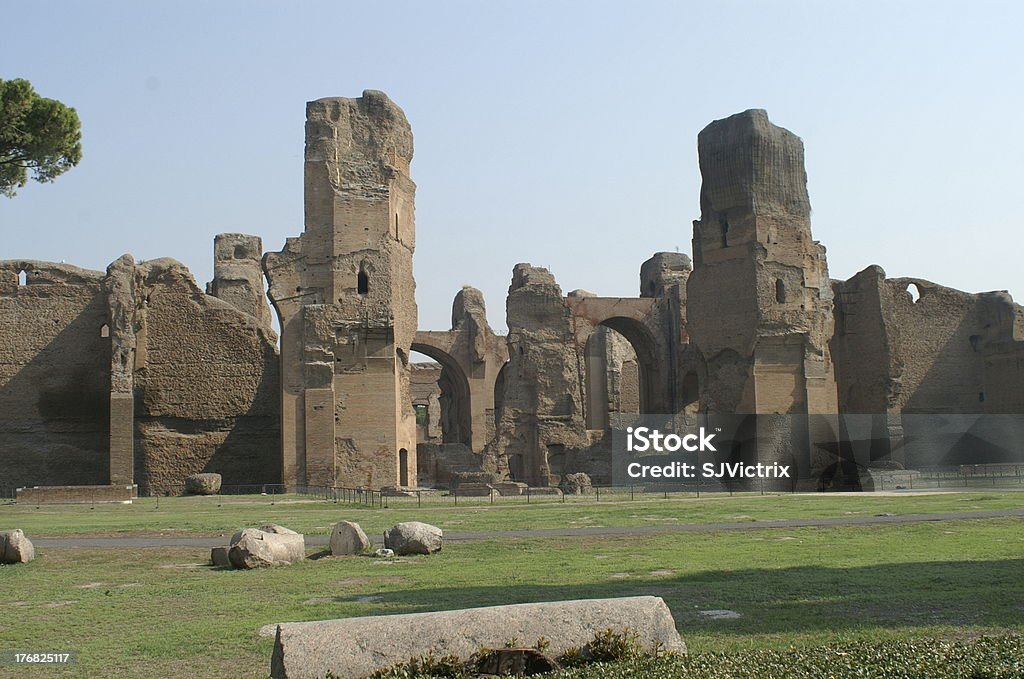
562, 134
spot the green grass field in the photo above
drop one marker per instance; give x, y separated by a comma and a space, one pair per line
164, 613
219, 515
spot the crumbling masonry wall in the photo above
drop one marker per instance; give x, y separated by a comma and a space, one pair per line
939, 351
760, 299
541, 414
345, 296
132, 376
206, 385
54, 375
137, 375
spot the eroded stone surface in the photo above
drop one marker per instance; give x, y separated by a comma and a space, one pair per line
136, 376
272, 545
202, 484
357, 647
345, 296
347, 538
131, 376
15, 547
413, 537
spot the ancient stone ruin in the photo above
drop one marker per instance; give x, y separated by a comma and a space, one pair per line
138, 377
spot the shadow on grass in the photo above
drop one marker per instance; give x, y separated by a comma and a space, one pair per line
786, 600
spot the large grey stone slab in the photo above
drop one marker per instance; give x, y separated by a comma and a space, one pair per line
356, 647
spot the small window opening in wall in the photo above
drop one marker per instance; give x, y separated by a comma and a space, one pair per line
723, 223
975, 342
363, 281
396, 226
22, 278
104, 330
240, 252
981, 396
780, 291
915, 292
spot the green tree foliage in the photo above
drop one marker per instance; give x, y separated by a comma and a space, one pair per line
37, 134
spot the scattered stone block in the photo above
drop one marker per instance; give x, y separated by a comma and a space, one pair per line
413, 537
384, 553
459, 478
544, 490
269, 546
202, 484
219, 557
15, 547
507, 488
348, 538
471, 489
393, 491
357, 647
576, 484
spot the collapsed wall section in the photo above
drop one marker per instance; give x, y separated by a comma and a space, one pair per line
206, 385
541, 413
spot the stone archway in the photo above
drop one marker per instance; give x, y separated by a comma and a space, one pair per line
637, 388
456, 397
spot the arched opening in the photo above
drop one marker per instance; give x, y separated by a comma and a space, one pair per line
915, 292
403, 467
363, 280
447, 397
22, 278
619, 363
104, 330
780, 291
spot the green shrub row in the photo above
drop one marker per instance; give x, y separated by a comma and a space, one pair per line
983, 658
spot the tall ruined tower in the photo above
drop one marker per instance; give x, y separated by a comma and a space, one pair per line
759, 298
345, 295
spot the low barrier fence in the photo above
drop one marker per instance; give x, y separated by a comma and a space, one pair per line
355, 496
952, 478
1008, 476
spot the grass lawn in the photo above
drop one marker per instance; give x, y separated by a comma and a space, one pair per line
159, 612
224, 515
